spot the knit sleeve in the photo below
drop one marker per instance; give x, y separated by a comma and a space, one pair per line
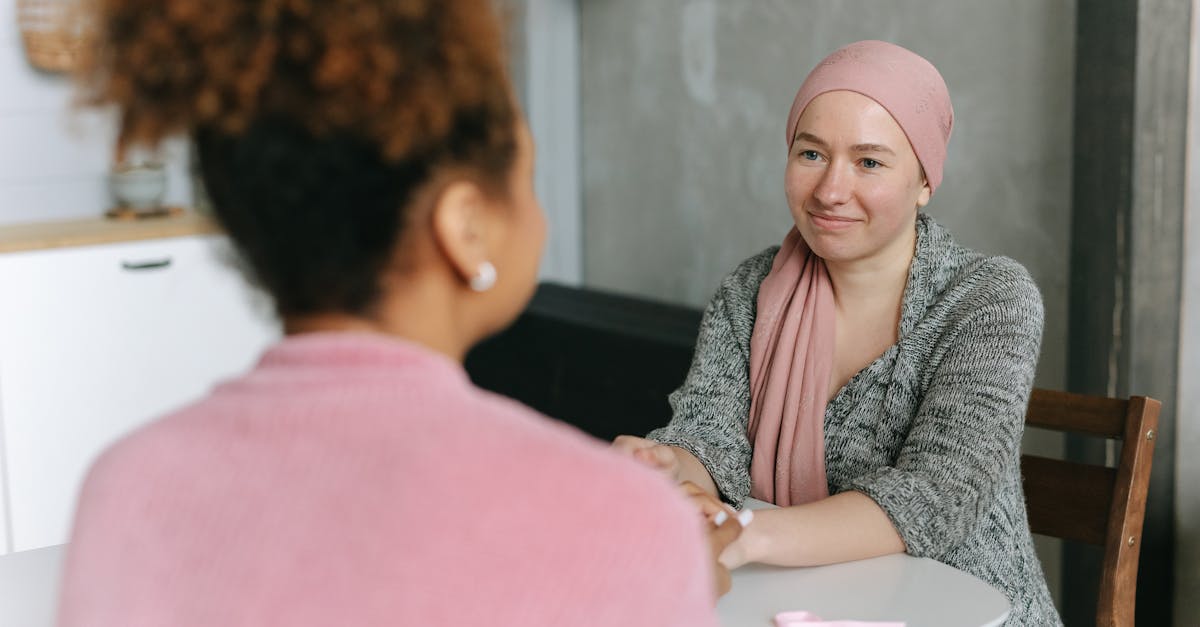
711, 410
965, 438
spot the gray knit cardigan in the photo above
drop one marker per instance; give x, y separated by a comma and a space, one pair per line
931, 430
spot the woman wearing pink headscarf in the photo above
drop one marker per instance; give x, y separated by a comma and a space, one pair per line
869, 376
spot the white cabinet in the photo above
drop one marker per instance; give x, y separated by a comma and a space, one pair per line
97, 340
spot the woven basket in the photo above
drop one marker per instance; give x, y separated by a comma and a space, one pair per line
51, 32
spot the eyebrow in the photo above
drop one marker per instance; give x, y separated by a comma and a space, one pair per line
810, 138
872, 148
813, 139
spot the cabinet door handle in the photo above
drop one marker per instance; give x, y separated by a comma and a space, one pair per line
154, 264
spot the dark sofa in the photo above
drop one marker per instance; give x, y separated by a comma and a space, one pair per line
600, 361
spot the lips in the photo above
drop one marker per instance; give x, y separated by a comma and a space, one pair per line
831, 222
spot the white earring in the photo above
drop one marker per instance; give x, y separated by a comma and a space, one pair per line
485, 277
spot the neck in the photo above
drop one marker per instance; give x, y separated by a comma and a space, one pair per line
878, 278
418, 311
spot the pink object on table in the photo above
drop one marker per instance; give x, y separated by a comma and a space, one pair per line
808, 619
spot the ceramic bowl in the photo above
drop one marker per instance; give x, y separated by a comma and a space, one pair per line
138, 187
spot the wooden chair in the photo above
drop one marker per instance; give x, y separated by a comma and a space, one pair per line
1095, 504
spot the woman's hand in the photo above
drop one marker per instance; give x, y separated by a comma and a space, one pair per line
658, 456
723, 526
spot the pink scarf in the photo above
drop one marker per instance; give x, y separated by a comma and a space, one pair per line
791, 359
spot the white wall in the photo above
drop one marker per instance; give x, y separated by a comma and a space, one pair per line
53, 159
1187, 433
549, 71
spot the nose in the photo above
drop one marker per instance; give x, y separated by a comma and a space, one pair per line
835, 186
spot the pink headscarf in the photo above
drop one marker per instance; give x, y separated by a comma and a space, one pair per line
902, 82
791, 349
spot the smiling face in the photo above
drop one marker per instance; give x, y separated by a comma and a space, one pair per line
853, 182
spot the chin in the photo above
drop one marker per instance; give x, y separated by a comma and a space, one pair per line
829, 250
822, 243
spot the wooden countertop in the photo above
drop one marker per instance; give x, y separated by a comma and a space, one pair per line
100, 230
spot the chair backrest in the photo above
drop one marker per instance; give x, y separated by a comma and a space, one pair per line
1095, 504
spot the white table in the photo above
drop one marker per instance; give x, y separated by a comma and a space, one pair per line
918, 591
921, 592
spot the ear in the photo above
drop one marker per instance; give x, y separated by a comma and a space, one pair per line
460, 227
924, 195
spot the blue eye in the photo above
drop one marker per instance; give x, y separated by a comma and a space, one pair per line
810, 155
870, 164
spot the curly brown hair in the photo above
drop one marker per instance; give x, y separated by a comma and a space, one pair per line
316, 121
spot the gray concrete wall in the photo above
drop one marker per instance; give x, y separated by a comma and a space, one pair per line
1128, 256
683, 106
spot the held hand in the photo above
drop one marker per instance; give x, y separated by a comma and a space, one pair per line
724, 528
734, 556
655, 455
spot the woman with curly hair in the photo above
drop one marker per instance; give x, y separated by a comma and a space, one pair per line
369, 163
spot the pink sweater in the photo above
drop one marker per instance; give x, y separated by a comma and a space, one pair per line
352, 479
